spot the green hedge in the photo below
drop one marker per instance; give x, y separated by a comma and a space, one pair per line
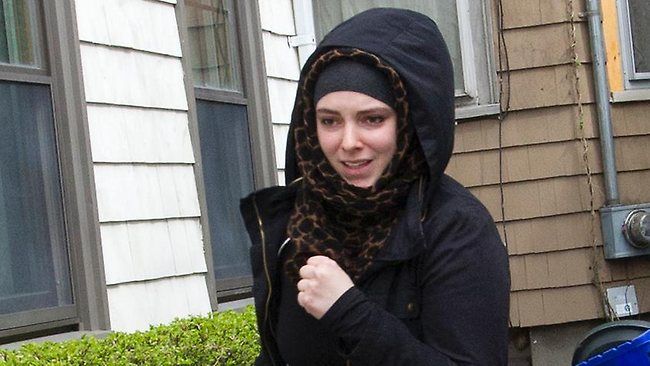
228, 338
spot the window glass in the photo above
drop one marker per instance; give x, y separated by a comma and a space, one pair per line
640, 29
329, 13
20, 33
212, 32
33, 253
227, 172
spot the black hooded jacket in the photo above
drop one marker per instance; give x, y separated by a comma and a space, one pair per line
437, 293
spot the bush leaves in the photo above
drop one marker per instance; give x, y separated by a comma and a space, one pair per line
227, 338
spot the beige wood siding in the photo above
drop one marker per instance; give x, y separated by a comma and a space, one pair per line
546, 192
143, 162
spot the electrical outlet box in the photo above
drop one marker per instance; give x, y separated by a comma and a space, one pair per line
622, 301
626, 230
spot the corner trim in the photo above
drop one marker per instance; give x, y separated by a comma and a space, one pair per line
82, 219
193, 125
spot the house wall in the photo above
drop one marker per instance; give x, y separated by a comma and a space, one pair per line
282, 70
547, 199
143, 161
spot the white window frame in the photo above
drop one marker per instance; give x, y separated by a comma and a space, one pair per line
479, 96
636, 85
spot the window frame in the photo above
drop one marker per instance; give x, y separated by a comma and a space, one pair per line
62, 72
254, 96
617, 34
632, 79
480, 95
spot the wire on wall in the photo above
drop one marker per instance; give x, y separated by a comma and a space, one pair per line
504, 106
596, 253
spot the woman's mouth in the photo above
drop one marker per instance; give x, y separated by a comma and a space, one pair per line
357, 164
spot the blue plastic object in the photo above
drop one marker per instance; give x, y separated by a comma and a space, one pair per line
632, 353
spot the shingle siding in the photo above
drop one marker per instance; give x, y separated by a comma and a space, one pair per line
147, 196
546, 193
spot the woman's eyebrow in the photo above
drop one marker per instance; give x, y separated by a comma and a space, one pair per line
326, 110
361, 112
374, 110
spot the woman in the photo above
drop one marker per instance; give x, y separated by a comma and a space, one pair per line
372, 255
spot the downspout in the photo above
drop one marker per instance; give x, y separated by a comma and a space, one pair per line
602, 102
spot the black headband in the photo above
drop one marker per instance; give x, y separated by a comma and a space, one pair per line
348, 75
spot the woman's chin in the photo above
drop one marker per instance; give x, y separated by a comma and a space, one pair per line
361, 182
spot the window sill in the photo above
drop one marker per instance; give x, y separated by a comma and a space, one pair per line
236, 305
57, 338
630, 96
475, 111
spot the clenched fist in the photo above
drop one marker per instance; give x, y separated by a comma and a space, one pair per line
322, 283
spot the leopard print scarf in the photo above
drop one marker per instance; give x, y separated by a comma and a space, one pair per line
331, 217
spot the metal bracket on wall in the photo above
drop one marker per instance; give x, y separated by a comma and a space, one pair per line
626, 230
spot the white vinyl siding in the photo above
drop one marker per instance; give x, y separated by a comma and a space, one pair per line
129, 24
132, 78
135, 306
127, 192
149, 250
282, 69
134, 134
147, 196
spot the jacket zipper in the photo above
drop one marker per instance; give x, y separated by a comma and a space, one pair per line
268, 278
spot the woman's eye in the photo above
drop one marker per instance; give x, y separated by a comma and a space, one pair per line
326, 121
375, 119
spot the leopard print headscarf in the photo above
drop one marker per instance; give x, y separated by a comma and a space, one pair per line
331, 217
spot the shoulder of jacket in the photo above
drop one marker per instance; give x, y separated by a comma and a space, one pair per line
456, 218
452, 200
270, 200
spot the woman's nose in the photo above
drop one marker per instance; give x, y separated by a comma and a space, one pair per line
351, 138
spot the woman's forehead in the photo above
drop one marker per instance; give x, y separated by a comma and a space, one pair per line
350, 100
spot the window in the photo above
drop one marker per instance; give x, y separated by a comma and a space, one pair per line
464, 26
34, 268
634, 16
231, 127
39, 217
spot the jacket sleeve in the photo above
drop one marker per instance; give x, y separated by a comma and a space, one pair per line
250, 217
464, 310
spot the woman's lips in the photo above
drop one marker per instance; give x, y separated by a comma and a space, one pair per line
357, 164
356, 169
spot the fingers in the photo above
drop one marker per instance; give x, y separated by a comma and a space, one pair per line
315, 266
303, 300
307, 271
322, 283
304, 296
319, 259
303, 285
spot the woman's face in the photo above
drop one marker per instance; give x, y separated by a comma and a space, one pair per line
357, 134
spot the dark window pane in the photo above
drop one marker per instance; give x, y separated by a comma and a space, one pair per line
212, 32
227, 171
329, 13
20, 33
640, 24
33, 255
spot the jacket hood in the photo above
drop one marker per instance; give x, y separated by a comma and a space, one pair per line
412, 45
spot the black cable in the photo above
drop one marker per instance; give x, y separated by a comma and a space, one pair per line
504, 108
